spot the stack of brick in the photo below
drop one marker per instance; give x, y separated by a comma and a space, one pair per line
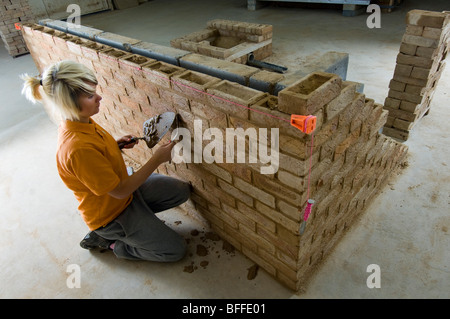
259, 214
12, 14
229, 40
420, 63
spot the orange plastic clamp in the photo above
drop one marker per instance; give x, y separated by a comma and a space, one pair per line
18, 25
305, 123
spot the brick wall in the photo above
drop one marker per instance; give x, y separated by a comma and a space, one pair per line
259, 214
420, 63
12, 12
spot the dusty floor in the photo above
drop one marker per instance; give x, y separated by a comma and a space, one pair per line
405, 231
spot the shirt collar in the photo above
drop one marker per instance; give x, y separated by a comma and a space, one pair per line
74, 126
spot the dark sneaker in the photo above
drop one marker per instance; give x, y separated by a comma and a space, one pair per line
93, 240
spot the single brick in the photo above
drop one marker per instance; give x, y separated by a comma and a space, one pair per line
193, 84
160, 73
414, 29
133, 63
420, 41
344, 98
309, 94
233, 98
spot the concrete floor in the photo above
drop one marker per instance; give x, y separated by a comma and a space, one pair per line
405, 231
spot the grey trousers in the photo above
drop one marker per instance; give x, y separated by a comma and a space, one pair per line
138, 233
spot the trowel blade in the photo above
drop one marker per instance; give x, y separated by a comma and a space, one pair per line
163, 123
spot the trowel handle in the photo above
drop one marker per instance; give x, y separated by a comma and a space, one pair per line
132, 140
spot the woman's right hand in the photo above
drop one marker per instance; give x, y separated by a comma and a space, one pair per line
164, 152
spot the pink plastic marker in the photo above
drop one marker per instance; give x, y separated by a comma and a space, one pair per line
306, 215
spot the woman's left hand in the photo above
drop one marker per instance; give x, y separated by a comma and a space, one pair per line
126, 140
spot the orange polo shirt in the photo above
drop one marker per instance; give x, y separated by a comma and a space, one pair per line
90, 163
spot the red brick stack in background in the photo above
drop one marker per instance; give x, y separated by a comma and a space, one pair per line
12, 12
420, 63
259, 214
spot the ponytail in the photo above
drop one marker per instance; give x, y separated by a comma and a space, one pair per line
31, 88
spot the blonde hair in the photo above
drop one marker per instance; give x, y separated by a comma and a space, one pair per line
62, 84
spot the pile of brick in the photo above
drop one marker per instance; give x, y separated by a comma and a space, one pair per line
229, 40
345, 163
420, 63
12, 13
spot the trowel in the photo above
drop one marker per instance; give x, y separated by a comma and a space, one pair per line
154, 129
